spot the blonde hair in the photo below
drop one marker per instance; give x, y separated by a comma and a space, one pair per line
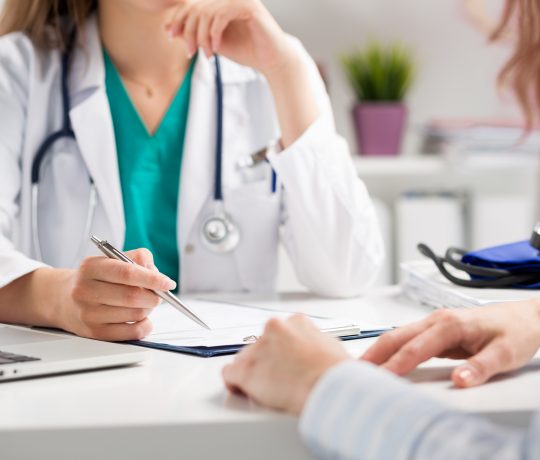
44, 21
522, 71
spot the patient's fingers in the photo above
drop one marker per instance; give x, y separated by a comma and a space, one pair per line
496, 357
429, 343
390, 342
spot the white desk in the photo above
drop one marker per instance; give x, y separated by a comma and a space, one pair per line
175, 406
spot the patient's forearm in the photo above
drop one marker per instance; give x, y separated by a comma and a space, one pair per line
33, 299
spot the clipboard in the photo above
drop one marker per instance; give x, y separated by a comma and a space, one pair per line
210, 352
233, 327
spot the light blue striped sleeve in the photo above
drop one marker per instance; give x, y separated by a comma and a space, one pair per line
358, 411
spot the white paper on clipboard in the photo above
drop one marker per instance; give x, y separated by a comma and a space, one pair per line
230, 324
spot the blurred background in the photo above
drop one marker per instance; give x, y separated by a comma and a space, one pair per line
459, 175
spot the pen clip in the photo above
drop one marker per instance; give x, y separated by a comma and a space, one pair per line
119, 254
250, 339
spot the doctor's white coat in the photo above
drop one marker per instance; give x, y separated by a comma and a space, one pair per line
321, 213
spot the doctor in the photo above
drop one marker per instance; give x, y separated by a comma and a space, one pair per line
160, 158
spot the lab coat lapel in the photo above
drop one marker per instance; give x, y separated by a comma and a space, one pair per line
196, 184
92, 123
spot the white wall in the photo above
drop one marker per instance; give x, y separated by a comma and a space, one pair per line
456, 67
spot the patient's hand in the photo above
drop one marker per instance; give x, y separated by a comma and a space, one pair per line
280, 370
493, 339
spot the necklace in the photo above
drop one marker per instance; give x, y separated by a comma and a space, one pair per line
149, 90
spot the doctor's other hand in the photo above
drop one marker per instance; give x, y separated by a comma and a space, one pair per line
109, 299
241, 30
281, 368
494, 339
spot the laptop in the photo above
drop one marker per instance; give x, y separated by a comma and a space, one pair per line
26, 352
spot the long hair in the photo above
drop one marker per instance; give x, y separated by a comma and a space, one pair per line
522, 71
44, 21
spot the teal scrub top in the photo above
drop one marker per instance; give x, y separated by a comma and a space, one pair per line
149, 167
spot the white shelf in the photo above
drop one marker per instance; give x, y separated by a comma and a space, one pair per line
400, 166
432, 166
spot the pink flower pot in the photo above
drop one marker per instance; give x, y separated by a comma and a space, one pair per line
379, 127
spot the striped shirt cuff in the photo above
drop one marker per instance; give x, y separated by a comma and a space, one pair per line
359, 411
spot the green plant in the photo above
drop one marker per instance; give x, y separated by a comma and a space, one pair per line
380, 73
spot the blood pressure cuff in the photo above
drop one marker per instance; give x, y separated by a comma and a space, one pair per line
517, 258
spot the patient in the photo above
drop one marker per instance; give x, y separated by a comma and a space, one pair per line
359, 409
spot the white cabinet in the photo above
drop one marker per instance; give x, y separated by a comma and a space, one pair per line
451, 201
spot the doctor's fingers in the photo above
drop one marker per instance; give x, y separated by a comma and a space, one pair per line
116, 295
118, 272
195, 22
119, 332
98, 315
142, 256
202, 23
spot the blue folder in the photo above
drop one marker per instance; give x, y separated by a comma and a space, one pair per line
208, 352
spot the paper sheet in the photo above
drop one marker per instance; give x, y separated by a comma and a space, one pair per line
424, 284
230, 324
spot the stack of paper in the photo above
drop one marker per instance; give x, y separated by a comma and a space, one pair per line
479, 136
423, 283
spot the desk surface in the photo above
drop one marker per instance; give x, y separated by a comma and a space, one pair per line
175, 405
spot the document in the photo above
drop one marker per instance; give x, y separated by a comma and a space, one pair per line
230, 324
423, 283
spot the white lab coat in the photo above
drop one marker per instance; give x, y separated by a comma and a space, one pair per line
322, 212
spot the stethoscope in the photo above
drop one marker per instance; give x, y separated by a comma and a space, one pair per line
66, 132
219, 232
482, 277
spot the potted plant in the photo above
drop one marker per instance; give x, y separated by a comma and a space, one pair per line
380, 76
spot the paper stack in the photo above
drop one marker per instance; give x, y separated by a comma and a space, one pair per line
423, 284
483, 143
480, 135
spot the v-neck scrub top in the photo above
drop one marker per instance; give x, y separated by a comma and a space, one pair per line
149, 167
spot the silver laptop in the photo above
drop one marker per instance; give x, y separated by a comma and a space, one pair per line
26, 352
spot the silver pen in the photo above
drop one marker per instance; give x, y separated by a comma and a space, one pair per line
110, 251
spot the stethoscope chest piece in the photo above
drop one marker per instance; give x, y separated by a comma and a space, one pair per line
220, 233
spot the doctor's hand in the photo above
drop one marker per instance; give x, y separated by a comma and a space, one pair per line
109, 299
282, 367
493, 339
241, 30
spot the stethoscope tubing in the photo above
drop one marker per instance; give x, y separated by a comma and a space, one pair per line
66, 132
493, 278
218, 191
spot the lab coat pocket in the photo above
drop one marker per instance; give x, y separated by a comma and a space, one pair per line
256, 211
